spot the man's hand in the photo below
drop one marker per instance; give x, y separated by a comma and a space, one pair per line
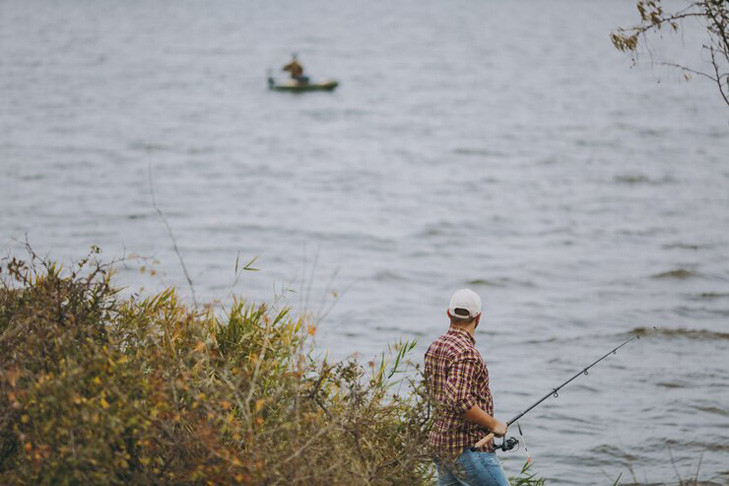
499, 428
477, 415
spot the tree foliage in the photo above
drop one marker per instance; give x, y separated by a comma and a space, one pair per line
713, 15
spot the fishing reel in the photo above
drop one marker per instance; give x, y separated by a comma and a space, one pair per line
507, 444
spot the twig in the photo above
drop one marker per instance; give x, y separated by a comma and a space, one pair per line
698, 468
259, 359
673, 463
688, 70
171, 235
307, 292
718, 77
306, 444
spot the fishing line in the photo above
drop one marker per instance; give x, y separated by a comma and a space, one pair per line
523, 440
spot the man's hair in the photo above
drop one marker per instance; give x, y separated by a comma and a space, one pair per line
461, 316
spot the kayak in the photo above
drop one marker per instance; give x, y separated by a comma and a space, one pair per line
294, 86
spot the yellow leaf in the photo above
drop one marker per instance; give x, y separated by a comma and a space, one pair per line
12, 376
104, 404
259, 404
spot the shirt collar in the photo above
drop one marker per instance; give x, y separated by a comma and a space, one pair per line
456, 330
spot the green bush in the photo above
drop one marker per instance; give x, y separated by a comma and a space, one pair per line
95, 388
100, 389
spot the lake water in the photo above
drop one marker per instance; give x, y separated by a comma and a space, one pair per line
503, 146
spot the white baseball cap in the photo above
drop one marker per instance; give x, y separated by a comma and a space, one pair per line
465, 299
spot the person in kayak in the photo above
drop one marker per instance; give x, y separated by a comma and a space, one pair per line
296, 70
458, 384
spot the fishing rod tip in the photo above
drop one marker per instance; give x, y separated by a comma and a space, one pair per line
646, 331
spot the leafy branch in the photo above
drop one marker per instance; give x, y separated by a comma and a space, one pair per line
714, 14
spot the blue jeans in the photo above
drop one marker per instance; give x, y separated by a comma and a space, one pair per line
472, 468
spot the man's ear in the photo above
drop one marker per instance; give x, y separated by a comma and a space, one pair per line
478, 319
448, 313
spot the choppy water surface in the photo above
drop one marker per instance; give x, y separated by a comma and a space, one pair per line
503, 146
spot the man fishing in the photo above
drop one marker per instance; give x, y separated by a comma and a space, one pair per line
458, 382
296, 69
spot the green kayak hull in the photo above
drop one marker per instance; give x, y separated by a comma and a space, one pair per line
293, 86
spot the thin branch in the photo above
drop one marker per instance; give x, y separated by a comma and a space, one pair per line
307, 444
688, 70
643, 29
698, 468
718, 77
673, 463
715, 16
720, 29
171, 235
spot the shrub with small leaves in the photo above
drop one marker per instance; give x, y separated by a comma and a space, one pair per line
100, 389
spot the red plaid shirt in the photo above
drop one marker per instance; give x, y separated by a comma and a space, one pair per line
457, 380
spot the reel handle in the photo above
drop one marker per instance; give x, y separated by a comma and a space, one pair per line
507, 444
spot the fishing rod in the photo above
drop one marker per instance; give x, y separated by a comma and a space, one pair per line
511, 442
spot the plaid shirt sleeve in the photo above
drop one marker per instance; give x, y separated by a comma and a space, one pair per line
460, 383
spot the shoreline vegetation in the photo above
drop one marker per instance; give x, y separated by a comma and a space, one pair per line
99, 388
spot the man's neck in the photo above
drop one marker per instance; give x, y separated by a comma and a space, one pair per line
469, 328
